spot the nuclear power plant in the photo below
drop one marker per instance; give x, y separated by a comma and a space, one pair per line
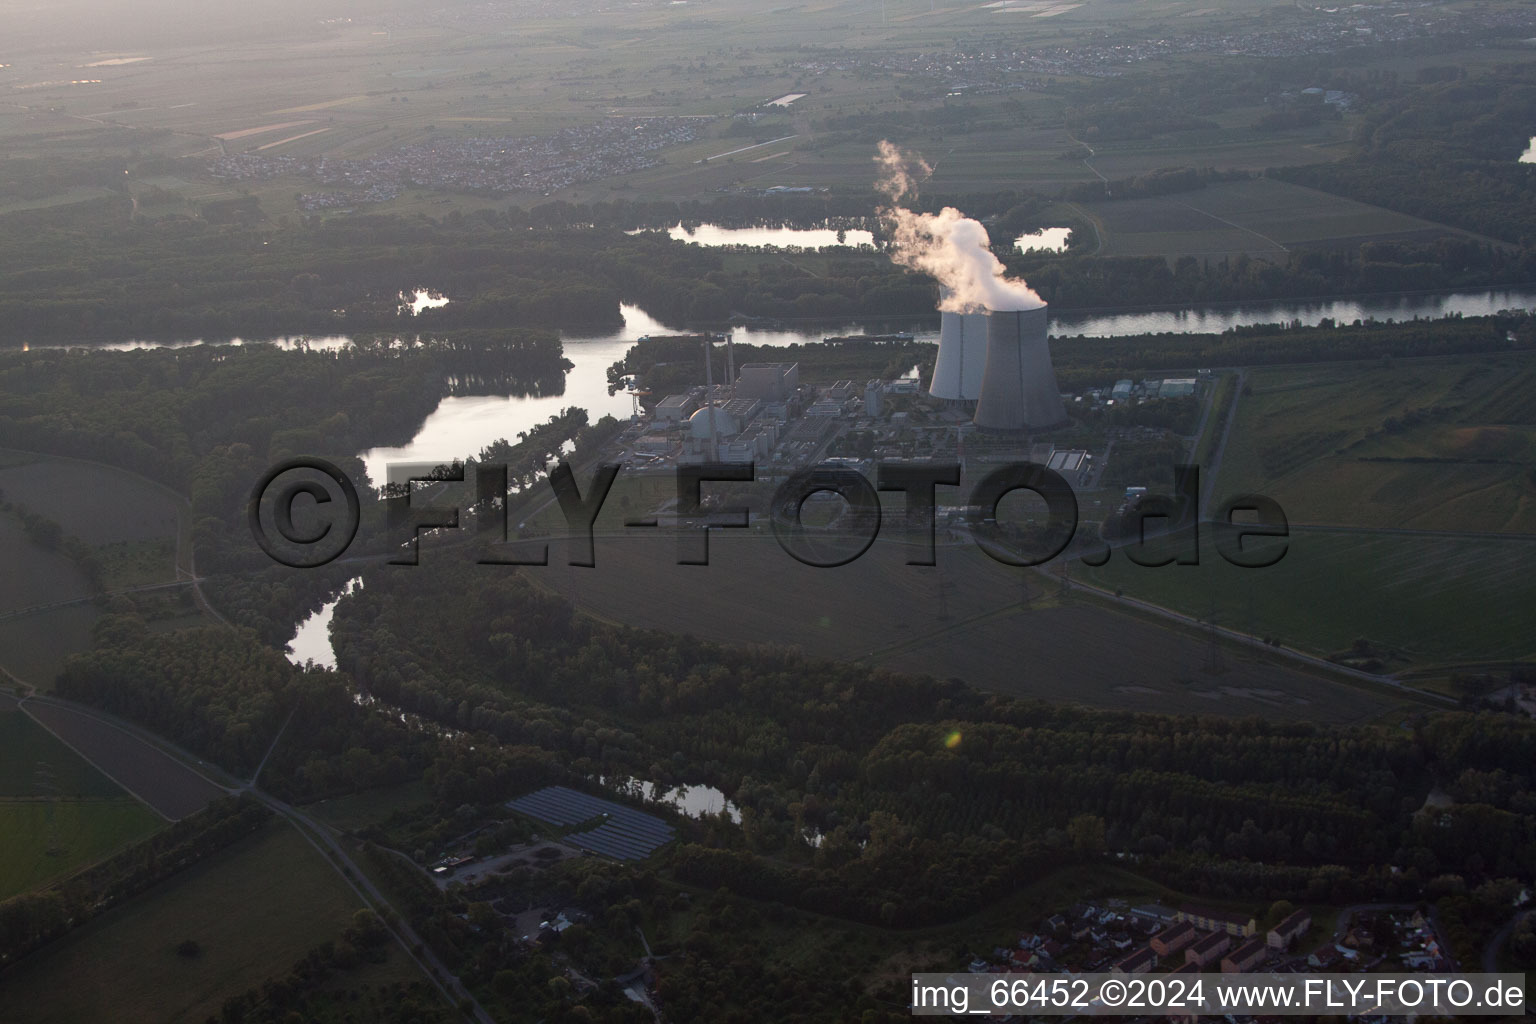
957, 372
1001, 360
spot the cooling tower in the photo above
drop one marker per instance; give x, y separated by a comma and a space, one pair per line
962, 356
1018, 386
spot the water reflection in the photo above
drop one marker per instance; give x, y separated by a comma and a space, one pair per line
804, 238
1044, 240
420, 299
461, 426
312, 640
694, 801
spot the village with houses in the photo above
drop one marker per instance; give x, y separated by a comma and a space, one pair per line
1113, 937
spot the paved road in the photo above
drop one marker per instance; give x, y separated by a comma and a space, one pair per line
1221, 445
1496, 944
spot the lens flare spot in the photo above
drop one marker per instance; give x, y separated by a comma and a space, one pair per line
826, 622
952, 740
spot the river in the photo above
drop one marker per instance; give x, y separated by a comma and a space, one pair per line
461, 426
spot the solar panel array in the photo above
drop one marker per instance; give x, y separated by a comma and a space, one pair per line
627, 834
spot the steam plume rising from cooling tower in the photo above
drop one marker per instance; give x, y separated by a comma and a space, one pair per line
948, 246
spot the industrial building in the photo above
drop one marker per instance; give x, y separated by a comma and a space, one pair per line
768, 382
675, 408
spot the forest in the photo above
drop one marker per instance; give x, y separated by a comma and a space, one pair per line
560, 265
931, 800
1446, 150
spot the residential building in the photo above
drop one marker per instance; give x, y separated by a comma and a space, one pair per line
1245, 957
1282, 935
1139, 962
1208, 950
1174, 938
1209, 920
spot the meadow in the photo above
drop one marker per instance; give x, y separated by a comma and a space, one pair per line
96, 503
1261, 217
173, 789
253, 909
134, 527
1423, 444
1420, 600
996, 627
57, 813
371, 806
46, 840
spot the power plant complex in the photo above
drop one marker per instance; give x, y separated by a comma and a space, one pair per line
1001, 360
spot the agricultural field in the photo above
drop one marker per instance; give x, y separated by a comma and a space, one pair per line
170, 787
253, 910
370, 79
57, 813
35, 577
1418, 600
1261, 218
371, 806
33, 647
46, 840
96, 503
1419, 445
996, 627
132, 526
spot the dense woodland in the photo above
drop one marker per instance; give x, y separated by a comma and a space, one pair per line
187, 278
506, 688
1447, 151
485, 686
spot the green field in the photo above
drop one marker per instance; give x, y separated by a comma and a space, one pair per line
44, 840
1421, 444
57, 813
1262, 218
996, 627
390, 78
34, 577
370, 807
254, 910
96, 503
1431, 600
33, 763
134, 526
33, 647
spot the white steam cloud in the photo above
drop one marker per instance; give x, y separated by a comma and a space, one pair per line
948, 246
